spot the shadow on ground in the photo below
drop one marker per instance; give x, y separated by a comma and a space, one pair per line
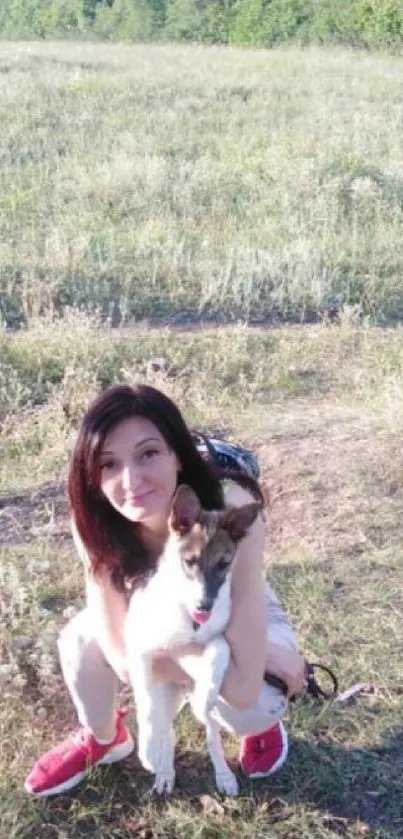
349, 791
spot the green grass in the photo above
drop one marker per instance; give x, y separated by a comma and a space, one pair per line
169, 181
182, 181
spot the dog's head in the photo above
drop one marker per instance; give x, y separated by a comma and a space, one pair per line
203, 545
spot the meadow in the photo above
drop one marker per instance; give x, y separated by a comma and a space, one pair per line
237, 216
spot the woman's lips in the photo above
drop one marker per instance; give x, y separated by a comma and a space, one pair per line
137, 500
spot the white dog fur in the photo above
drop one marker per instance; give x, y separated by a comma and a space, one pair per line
160, 617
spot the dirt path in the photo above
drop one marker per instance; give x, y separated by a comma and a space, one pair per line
38, 513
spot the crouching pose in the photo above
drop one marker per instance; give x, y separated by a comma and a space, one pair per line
132, 453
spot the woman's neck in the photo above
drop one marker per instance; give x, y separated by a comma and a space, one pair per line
153, 536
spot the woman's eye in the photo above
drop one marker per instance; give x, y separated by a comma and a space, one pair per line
148, 454
108, 465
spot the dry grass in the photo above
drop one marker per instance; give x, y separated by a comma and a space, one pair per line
155, 181
323, 408
159, 180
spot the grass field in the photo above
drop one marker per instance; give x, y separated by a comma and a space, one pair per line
173, 180
320, 404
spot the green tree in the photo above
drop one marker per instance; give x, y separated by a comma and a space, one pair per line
248, 28
127, 20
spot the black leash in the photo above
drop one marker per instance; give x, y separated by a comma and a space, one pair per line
312, 685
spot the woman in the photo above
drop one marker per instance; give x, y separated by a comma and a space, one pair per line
132, 451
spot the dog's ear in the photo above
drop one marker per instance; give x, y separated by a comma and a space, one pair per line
186, 509
238, 520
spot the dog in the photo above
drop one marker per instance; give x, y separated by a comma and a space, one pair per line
187, 599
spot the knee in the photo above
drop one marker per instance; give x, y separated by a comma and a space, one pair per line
269, 707
244, 695
74, 641
243, 702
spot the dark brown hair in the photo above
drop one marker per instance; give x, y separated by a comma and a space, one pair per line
110, 539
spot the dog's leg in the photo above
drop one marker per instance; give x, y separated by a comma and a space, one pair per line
213, 666
226, 781
157, 745
155, 710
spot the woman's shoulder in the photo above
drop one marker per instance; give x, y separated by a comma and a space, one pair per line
234, 494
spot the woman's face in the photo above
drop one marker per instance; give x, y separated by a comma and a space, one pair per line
139, 472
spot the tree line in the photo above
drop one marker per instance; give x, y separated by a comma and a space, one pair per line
361, 23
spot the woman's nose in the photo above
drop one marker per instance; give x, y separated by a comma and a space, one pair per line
130, 477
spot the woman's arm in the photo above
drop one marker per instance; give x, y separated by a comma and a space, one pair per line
247, 629
108, 608
251, 652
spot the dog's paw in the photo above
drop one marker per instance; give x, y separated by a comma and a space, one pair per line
227, 783
164, 782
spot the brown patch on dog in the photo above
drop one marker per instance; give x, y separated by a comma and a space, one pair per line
208, 546
208, 540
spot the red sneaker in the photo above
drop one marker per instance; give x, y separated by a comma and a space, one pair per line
67, 764
262, 754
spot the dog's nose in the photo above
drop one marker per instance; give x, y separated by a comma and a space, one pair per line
202, 611
205, 605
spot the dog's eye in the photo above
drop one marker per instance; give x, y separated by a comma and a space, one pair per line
191, 562
223, 564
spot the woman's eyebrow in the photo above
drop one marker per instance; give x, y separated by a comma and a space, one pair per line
147, 440
107, 452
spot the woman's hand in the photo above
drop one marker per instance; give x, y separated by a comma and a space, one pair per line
288, 665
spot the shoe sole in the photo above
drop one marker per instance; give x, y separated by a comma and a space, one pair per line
277, 764
117, 753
